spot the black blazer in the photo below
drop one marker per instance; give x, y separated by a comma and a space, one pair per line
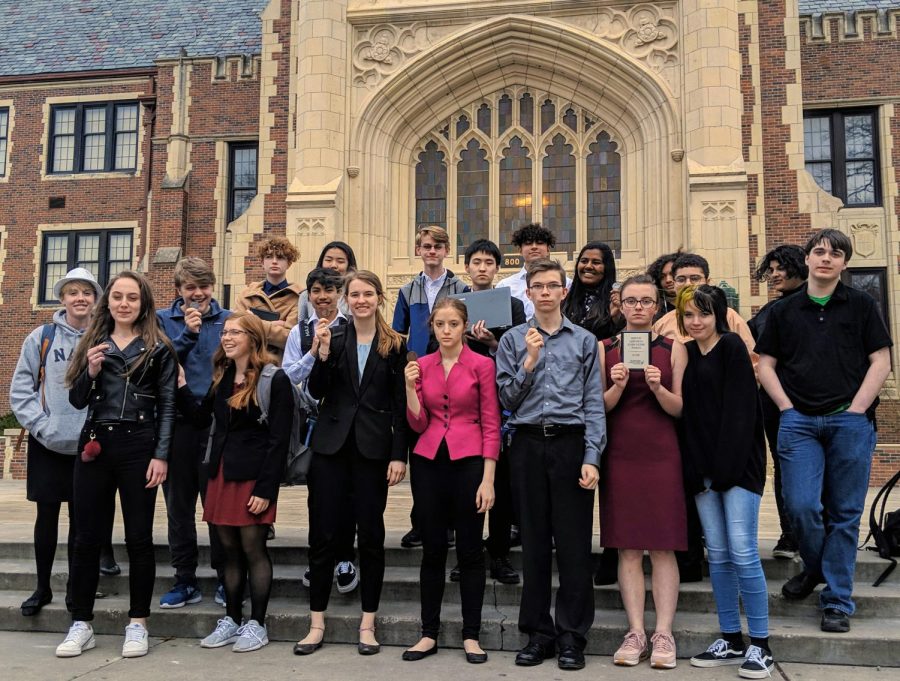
372, 410
248, 449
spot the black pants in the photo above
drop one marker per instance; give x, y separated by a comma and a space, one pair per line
126, 450
444, 492
545, 473
771, 420
500, 517
334, 481
186, 480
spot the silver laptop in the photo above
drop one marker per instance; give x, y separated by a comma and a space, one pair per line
492, 306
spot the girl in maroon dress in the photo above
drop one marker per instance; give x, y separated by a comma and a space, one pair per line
642, 461
246, 460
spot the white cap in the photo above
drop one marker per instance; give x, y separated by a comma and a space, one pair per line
77, 274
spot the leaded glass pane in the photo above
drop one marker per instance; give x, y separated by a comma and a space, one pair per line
57, 248
88, 249
126, 150
860, 182
604, 183
126, 118
94, 157
558, 207
2, 157
63, 140
504, 114
858, 136
242, 199
245, 168
95, 121
431, 187
120, 247
473, 196
484, 119
571, 120
462, 125
873, 283
515, 191
548, 115
4, 123
817, 138
55, 272
821, 173
64, 122
526, 112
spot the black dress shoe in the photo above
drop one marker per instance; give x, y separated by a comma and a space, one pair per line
835, 621
33, 604
454, 573
534, 654
570, 658
800, 586
476, 658
108, 566
411, 539
503, 571
416, 655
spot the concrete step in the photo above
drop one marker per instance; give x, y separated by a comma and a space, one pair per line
402, 584
293, 551
797, 639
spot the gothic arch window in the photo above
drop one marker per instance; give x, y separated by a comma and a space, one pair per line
516, 157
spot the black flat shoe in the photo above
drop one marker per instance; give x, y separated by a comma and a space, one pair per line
476, 658
570, 658
368, 648
33, 604
533, 654
416, 655
800, 586
109, 567
306, 648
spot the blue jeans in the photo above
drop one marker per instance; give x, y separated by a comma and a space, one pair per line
833, 453
730, 521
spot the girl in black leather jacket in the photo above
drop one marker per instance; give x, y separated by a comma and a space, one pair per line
125, 371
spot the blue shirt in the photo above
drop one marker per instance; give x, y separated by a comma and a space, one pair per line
269, 288
565, 387
362, 355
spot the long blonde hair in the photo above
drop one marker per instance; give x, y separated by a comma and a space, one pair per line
102, 325
259, 357
388, 339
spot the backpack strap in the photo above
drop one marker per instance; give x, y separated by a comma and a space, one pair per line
264, 391
876, 527
48, 333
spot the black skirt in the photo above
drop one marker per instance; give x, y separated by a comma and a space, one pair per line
49, 476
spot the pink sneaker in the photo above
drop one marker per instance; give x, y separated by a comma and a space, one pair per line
663, 656
633, 650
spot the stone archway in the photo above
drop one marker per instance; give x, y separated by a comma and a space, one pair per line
536, 52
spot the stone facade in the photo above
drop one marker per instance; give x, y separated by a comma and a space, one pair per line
703, 102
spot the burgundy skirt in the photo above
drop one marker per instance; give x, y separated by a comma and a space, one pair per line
226, 503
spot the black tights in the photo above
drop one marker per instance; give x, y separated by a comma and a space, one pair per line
246, 554
46, 535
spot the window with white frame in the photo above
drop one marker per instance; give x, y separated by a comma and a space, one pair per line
517, 157
103, 252
93, 138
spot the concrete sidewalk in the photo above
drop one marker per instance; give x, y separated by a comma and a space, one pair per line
30, 657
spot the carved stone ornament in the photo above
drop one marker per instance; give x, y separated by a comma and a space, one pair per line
865, 239
380, 50
311, 226
677, 155
719, 210
353, 171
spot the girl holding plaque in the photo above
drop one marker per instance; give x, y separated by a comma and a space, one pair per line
642, 459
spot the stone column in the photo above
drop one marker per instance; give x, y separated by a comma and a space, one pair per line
314, 210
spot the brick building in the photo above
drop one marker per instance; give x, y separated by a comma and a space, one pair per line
133, 133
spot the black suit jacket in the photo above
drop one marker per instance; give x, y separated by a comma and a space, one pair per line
372, 410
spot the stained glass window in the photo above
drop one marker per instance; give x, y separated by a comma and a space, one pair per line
472, 196
431, 187
604, 184
484, 119
462, 125
515, 191
526, 112
571, 120
558, 190
548, 115
504, 114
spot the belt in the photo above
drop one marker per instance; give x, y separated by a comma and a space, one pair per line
549, 429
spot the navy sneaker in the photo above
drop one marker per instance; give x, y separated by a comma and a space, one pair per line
181, 595
220, 594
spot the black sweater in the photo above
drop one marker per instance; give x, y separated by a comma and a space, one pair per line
723, 437
248, 449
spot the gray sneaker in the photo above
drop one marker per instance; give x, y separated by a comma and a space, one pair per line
252, 636
226, 632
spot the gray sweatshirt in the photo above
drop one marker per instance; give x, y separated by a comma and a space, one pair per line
56, 424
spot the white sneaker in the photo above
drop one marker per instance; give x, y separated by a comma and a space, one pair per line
137, 640
253, 636
226, 632
79, 639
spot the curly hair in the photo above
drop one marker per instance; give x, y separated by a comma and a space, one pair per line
533, 233
656, 268
790, 256
278, 247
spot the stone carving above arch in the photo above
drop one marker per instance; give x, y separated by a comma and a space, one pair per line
647, 32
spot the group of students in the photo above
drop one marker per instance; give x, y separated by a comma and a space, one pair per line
524, 422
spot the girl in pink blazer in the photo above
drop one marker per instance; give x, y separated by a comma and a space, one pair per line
451, 398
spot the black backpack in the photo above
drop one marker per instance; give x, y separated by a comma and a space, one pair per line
884, 528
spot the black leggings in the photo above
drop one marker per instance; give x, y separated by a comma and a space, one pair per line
444, 492
46, 536
246, 554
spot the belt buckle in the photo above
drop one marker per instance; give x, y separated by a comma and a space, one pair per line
548, 429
